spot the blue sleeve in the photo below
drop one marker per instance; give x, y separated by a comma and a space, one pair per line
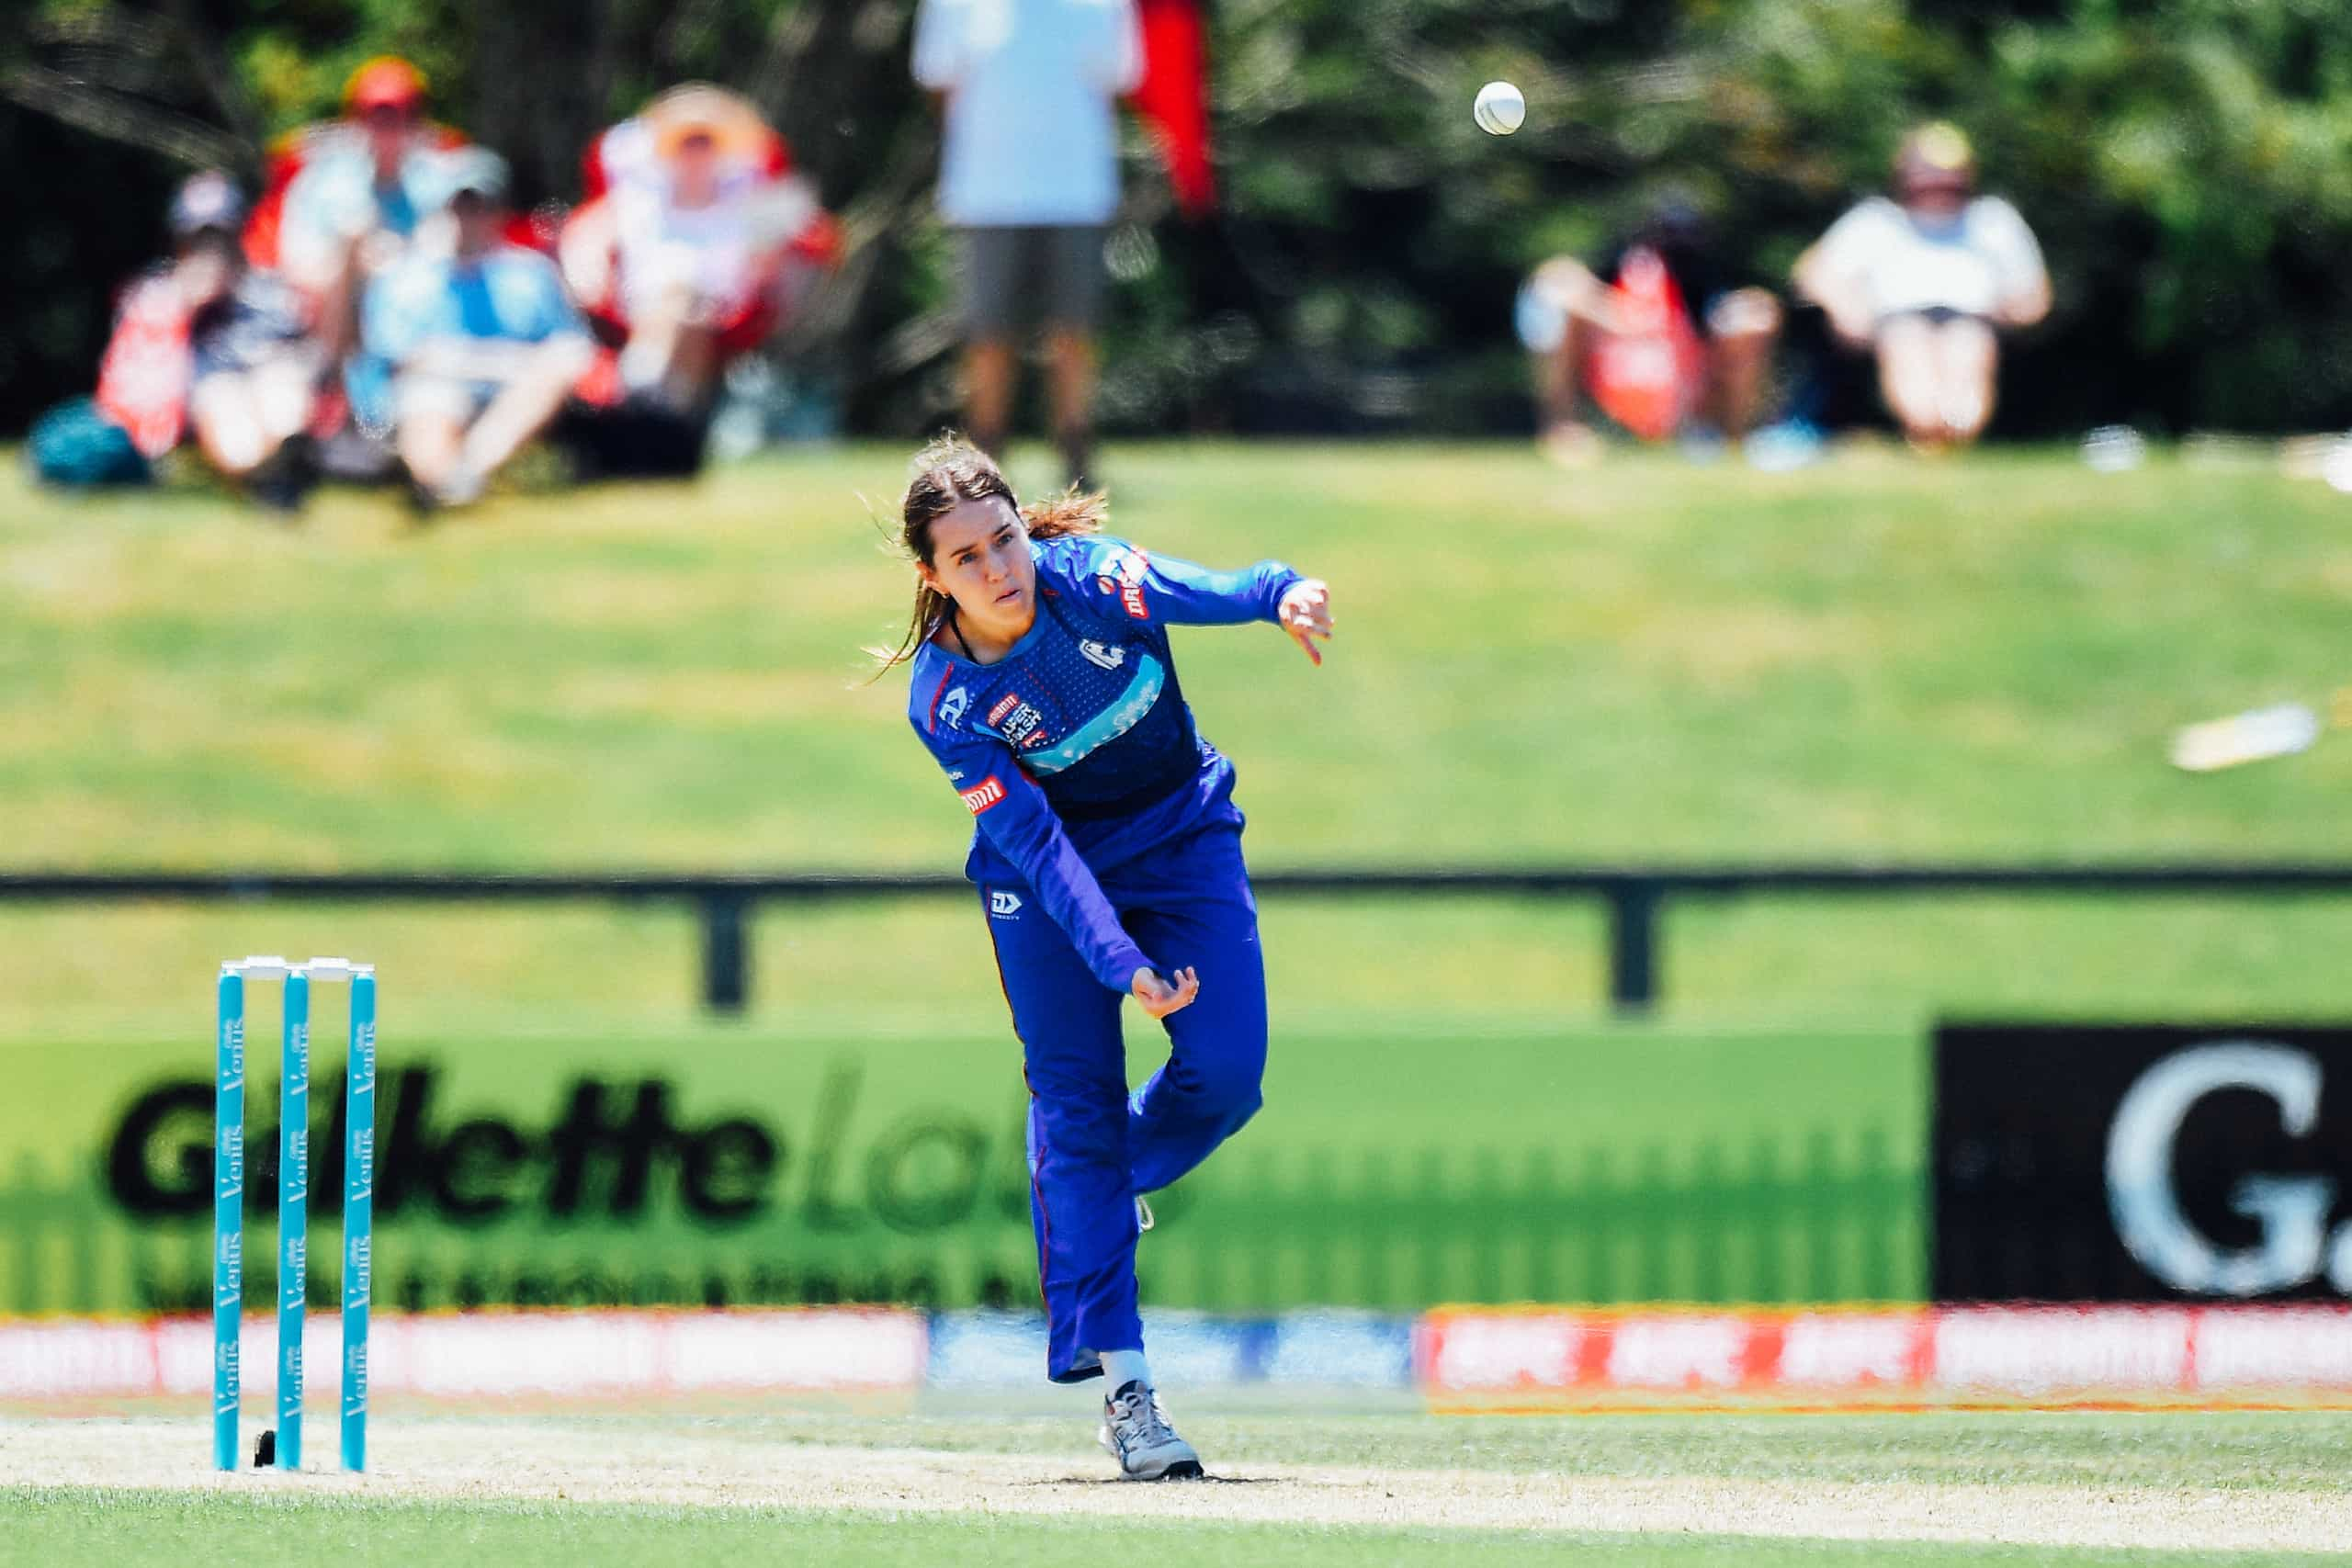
1112, 577
1019, 821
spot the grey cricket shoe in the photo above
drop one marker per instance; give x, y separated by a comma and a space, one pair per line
1136, 1433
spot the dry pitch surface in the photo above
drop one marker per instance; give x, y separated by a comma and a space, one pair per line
722, 1465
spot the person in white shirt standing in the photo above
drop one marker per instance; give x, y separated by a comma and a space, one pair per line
1029, 179
1926, 281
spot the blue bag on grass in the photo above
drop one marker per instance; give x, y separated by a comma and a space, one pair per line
76, 446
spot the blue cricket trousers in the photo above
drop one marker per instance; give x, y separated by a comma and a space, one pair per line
1092, 1146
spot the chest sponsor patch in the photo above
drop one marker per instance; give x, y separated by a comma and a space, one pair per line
1017, 721
1102, 656
982, 795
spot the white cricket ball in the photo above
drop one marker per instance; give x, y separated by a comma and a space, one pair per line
1499, 109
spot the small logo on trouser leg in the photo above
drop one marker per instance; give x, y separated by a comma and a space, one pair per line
1005, 904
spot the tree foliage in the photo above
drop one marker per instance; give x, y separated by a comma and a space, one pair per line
2184, 161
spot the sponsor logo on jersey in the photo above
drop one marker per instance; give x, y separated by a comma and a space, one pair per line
955, 775
952, 706
1126, 579
1022, 726
982, 795
1101, 655
1017, 721
1005, 904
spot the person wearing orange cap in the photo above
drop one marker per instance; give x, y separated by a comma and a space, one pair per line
364, 185
1925, 280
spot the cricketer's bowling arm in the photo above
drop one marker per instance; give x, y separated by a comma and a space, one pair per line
1020, 823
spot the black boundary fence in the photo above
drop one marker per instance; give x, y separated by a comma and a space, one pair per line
1636, 899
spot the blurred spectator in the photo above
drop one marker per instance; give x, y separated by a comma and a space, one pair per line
1029, 178
251, 367
696, 241
483, 343
1923, 281
358, 190
1658, 335
204, 340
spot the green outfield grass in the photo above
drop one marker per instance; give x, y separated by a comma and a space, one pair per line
1969, 660
116, 1529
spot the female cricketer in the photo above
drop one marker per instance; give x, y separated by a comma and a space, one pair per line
1108, 857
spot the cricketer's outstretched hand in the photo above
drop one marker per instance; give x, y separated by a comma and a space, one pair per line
1305, 613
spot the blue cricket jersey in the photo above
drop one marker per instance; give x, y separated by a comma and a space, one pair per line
1076, 752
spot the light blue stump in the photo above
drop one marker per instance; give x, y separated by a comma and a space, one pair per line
358, 1214
293, 1216
227, 1213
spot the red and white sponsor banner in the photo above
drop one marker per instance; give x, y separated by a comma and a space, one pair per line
2024, 1353
553, 1355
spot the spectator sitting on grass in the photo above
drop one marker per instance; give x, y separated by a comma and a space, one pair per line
694, 247
484, 344
1659, 336
208, 342
1924, 281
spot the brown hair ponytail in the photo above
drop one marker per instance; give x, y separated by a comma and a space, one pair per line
948, 472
